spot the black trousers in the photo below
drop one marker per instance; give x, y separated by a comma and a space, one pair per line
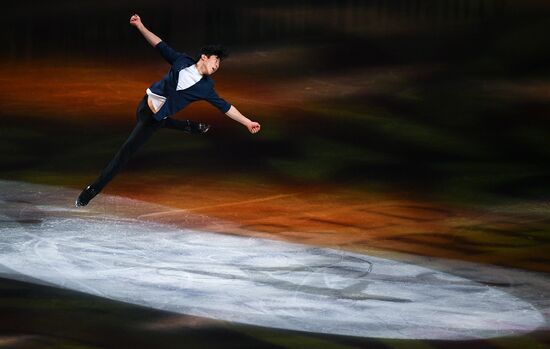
146, 126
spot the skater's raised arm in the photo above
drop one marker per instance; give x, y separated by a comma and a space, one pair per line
150, 37
168, 53
236, 115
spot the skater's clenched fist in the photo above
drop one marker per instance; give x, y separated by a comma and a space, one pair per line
135, 20
253, 127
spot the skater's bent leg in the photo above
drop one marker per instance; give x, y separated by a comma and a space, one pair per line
182, 125
187, 126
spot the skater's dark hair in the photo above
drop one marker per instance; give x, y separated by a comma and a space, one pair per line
216, 50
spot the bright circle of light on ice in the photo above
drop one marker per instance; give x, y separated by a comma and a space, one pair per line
259, 281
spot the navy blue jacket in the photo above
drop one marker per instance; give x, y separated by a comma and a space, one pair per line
177, 100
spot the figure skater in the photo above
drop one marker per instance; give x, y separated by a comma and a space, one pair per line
187, 81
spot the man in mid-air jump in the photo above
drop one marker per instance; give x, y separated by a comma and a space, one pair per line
187, 81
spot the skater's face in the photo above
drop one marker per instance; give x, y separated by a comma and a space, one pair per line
210, 64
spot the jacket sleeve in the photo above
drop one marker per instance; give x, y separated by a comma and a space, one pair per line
218, 102
168, 53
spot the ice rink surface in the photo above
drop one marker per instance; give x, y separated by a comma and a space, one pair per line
106, 250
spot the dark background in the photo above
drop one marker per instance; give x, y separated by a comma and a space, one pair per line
440, 101
424, 94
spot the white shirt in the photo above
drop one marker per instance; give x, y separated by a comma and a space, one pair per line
186, 78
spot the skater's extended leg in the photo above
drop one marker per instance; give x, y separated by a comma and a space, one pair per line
144, 129
139, 136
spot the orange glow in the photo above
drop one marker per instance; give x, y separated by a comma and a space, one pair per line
358, 220
343, 218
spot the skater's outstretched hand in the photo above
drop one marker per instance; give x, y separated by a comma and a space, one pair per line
253, 127
135, 20
236, 115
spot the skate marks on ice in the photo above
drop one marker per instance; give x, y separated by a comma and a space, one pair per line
105, 250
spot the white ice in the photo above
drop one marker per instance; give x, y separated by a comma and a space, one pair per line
107, 252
